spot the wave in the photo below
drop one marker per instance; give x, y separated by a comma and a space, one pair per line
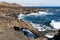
21, 16
37, 26
45, 13
39, 14
40, 27
55, 24
49, 35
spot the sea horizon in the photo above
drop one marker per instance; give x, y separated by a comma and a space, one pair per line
52, 7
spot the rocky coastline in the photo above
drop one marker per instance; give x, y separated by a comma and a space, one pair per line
8, 20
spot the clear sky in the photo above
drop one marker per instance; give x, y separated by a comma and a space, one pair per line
34, 2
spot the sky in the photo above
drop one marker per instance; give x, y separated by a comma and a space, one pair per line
34, 2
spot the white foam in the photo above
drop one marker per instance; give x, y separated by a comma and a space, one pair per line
55, 24
40, 28
35, 14
39, 14
49, 35
37, 26
21, 16
32, 14
45, 13
57, 9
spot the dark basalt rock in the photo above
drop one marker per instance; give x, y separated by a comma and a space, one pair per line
16, 28
57, 37
26, 32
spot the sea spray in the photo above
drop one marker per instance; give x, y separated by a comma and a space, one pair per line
49, 35
55, 24
40, 27
45, 13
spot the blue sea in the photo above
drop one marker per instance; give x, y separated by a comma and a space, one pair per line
44, 7
43, 20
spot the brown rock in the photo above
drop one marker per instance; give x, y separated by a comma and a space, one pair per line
7, 31
8, 14
13, 5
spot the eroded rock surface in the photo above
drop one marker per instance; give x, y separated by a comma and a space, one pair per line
8, 19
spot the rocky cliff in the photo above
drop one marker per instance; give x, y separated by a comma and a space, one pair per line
8, 20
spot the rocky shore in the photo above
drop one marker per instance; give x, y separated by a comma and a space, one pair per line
8, 20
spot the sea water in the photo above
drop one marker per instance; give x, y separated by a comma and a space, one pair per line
43, 20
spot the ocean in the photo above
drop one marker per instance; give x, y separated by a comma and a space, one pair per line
43, 20
43, 7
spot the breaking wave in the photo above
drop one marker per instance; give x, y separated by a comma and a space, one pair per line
43, 21
34, 14
39, 14
34, 19
55, 24
40, 27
